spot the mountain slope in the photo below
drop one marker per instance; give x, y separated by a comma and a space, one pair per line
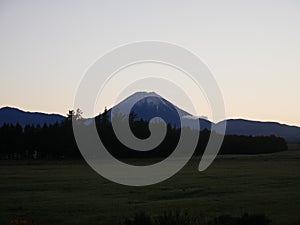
256, 128
13, 116
147, 105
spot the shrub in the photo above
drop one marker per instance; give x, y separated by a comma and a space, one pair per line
141, 219
246, 219
184, 218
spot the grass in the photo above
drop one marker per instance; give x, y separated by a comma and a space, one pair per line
69, 192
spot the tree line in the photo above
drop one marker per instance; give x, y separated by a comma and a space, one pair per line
57, 141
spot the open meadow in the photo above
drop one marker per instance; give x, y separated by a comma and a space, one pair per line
70, 192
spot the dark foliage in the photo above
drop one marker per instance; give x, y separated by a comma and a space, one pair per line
185, 218
57, 141
252, 145
246, 219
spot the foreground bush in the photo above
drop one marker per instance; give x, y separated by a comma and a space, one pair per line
22, 222
246, 219
184, 218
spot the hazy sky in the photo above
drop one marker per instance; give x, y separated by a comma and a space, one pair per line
251, 47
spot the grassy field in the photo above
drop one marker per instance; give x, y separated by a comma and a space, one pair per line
72, 193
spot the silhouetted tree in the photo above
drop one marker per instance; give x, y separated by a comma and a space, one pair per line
57, 141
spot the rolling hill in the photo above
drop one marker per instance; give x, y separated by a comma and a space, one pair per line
10, 115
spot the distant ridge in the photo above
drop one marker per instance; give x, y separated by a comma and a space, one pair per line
258, 128
10, 115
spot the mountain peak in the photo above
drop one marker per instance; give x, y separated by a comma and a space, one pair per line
145, 94
147, 105
148, 100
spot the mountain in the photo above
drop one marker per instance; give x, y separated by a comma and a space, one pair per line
150, 104
13, 116
147, 105
256, 128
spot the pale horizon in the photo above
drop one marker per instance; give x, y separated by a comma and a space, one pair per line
251, 48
